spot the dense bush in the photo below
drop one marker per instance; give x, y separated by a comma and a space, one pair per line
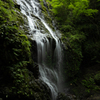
78, 22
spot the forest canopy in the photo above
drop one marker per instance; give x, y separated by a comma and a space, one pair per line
79, 22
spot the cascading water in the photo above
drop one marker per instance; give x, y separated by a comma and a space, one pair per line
49, 73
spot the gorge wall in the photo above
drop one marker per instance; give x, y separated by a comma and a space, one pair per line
30, 54
30, 57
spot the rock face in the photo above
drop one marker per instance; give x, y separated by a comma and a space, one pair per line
62, 96
24, 85
19, 72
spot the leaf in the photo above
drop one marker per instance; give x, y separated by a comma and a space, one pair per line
15, 54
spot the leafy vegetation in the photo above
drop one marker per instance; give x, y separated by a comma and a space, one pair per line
15, 54
78, 22
90, 85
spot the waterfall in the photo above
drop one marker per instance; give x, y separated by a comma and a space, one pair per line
49, 56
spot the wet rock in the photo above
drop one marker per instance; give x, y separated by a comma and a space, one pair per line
33, 50
45, 89
34, 69
17, 6
62, 96
45, 4
37, 0
35, 90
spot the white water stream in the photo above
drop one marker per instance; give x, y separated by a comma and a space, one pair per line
49, 73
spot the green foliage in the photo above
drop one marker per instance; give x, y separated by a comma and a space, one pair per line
15, 54
15, 44
18, 70
89, 83
6, 11
74, 54
78, 22
92, 48
21, 78
76, 7
80, 7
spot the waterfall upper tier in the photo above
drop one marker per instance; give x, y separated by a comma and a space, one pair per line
38, 28
49, 58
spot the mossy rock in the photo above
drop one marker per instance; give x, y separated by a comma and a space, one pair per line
97, 78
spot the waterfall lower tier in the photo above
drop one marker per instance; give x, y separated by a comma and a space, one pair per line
48, 49
49, 60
